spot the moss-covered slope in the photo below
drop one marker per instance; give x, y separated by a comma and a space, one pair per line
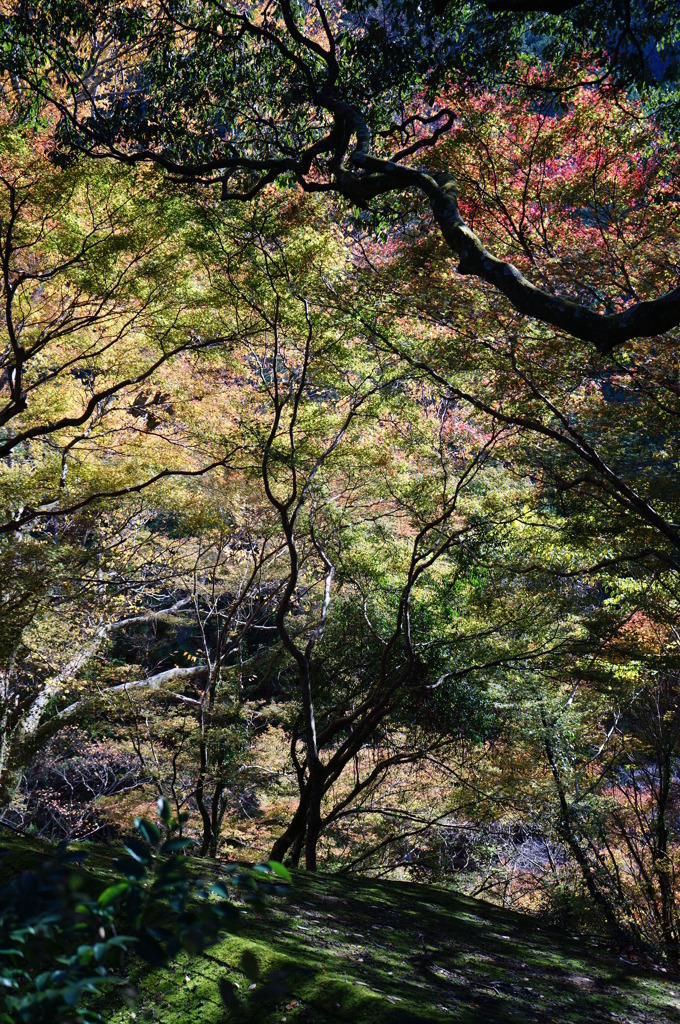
366, 952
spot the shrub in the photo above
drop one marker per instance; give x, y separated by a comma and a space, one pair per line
60, 938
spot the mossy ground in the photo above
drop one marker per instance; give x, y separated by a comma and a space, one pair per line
367, 952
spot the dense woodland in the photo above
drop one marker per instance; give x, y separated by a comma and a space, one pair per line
339, 399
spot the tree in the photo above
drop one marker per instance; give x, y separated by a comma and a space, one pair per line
320, 440
596, 448
90, 321
599, 421
323, 100
401, 454
98, 339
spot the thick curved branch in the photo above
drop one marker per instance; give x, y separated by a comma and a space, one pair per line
361, 177
605, 331
531, 6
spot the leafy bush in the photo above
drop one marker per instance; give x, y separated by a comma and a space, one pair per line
60, 938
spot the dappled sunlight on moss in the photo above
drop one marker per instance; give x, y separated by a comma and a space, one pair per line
372, 952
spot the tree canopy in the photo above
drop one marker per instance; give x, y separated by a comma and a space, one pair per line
344, 100
339, 398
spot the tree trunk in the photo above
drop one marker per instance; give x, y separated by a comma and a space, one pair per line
313, 815
293, 858
293, 832
571, 839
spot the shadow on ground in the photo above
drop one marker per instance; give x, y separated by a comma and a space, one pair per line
367, 952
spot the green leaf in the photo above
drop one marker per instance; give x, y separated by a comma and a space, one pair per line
148, 831
175, 845
137, 850
130, 867
220, 889
279, 870
112, 894
163, 810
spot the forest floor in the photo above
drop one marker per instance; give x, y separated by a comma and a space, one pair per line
367, 952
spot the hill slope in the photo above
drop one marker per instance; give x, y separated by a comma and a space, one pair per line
371, 952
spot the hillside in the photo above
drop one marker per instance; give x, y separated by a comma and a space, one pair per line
364, 951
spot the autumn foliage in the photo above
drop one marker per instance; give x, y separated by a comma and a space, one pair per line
307, 528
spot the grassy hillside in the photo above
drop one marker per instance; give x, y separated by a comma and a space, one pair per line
369, 952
